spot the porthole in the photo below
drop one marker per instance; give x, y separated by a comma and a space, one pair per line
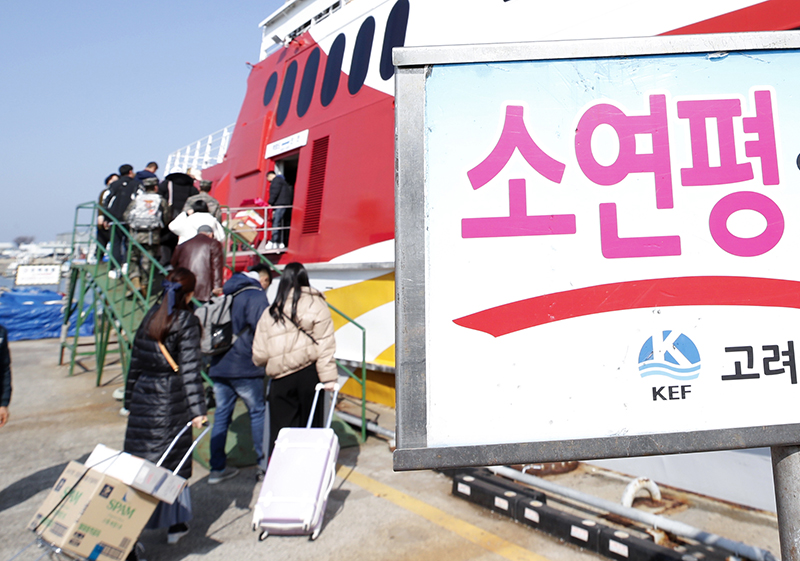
361, 53
395, 36
285, 102
333, 69
307, 83
269, 90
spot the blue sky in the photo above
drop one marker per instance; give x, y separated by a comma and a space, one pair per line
90, 85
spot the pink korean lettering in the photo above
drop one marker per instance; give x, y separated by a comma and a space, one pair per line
518, 223
701, 172
746, 247
628, 160
764, 147
614, 247
515, 136
729, 171
761, 145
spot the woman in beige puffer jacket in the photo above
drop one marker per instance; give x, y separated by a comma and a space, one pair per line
294, 340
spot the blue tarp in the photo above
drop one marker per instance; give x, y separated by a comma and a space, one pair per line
37, 314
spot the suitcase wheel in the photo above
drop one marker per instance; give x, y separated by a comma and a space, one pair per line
255, 526
263, 535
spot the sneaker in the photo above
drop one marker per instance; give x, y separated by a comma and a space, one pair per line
176, 532
220, 476
112, 274
124, 268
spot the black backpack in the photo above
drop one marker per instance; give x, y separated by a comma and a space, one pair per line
215, 317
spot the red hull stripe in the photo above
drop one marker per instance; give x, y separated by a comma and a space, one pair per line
650, 293
774, 15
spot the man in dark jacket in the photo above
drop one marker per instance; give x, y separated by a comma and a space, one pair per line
235, 375
175, 189
281, 195
120, 194
149, 172
202, 255
5, 375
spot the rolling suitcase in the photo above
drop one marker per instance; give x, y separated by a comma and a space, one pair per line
299, 479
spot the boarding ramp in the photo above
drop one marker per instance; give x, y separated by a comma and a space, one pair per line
117, 308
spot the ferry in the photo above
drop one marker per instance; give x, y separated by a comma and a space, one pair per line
319, 109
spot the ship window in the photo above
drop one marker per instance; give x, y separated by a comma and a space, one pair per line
300, 30
327, 11
316, 183
361, 52
285, 100
395, 36
269, 91
307, 83
333, 69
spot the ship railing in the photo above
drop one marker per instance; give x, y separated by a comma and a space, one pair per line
204, 153
116, 303
253, 224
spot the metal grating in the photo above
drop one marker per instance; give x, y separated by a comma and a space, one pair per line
316, 184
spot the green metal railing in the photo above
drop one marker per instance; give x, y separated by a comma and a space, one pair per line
117, 305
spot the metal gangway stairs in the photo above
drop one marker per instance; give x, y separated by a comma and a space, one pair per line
117, 308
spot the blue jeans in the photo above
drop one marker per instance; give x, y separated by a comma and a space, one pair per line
281, 218
226, 390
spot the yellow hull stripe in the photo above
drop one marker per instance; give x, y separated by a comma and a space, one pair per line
386, 357
361, 297
479, 537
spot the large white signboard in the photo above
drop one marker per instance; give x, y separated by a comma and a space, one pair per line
611, 245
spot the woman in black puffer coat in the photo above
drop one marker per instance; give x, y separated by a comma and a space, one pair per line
162, 398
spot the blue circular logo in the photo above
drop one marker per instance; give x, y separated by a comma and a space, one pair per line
672, 354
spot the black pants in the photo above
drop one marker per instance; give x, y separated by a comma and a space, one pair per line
118, 249
290, 400
103, 237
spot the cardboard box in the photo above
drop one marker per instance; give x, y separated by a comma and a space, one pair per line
138, 473
245, 231
92, 515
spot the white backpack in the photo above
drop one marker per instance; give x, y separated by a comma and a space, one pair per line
146, 212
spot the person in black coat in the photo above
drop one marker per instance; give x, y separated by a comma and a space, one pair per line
164, 391
281, 195
175, 189
5, 376
120, 194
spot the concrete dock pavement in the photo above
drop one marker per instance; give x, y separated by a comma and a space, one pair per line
373, 513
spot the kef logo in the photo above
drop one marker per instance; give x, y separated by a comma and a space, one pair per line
672, 354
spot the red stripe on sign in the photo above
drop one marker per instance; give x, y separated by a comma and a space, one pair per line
650, 293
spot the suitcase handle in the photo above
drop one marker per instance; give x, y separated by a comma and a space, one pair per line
317, 390
175, 441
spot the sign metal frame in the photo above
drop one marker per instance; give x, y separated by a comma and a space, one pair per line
413, 67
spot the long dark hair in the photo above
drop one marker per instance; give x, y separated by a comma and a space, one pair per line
293, 278
161, 321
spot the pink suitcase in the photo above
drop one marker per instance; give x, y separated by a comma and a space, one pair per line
299, 479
